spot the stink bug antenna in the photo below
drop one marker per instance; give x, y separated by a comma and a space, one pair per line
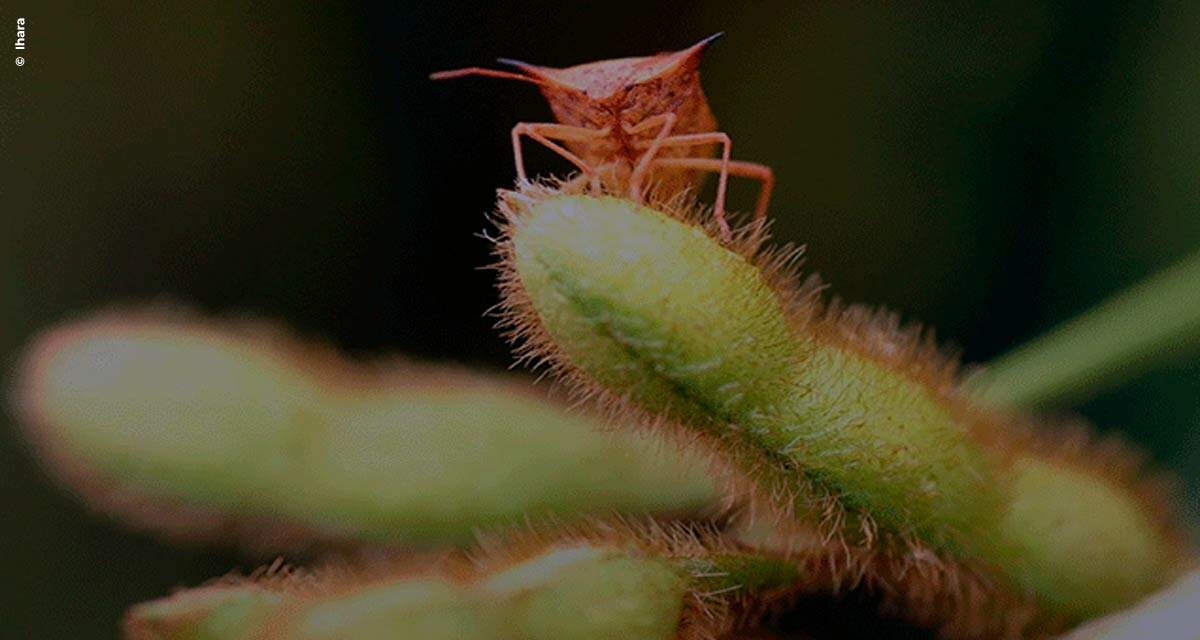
487, 73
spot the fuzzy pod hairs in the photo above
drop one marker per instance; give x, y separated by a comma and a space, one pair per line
608, 579
828, 416
211, 430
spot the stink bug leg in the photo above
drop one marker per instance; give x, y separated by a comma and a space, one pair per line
544, 132
752, 170
667, 121
697, 139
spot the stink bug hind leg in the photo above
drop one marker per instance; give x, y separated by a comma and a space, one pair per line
753, 170
698, 139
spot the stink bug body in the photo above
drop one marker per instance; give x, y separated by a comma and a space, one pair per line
621, 121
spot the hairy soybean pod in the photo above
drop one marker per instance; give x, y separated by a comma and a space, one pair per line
206, 429
616, 581
827, 413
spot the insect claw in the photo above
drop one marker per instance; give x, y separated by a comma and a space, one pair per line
724, 230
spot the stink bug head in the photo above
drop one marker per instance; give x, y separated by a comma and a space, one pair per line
617, 94
626, 91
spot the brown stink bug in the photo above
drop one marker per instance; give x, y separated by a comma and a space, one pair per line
619, 120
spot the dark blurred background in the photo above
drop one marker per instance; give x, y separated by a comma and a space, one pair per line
990, 168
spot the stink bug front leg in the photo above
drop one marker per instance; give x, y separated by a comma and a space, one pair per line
543, 132
667, 120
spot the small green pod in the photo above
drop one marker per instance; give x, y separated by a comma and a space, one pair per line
587, 593
569, 589
409, 608
202, 430
216, 612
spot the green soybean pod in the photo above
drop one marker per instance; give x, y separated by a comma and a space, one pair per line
202, 429
614, 581
832, 412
